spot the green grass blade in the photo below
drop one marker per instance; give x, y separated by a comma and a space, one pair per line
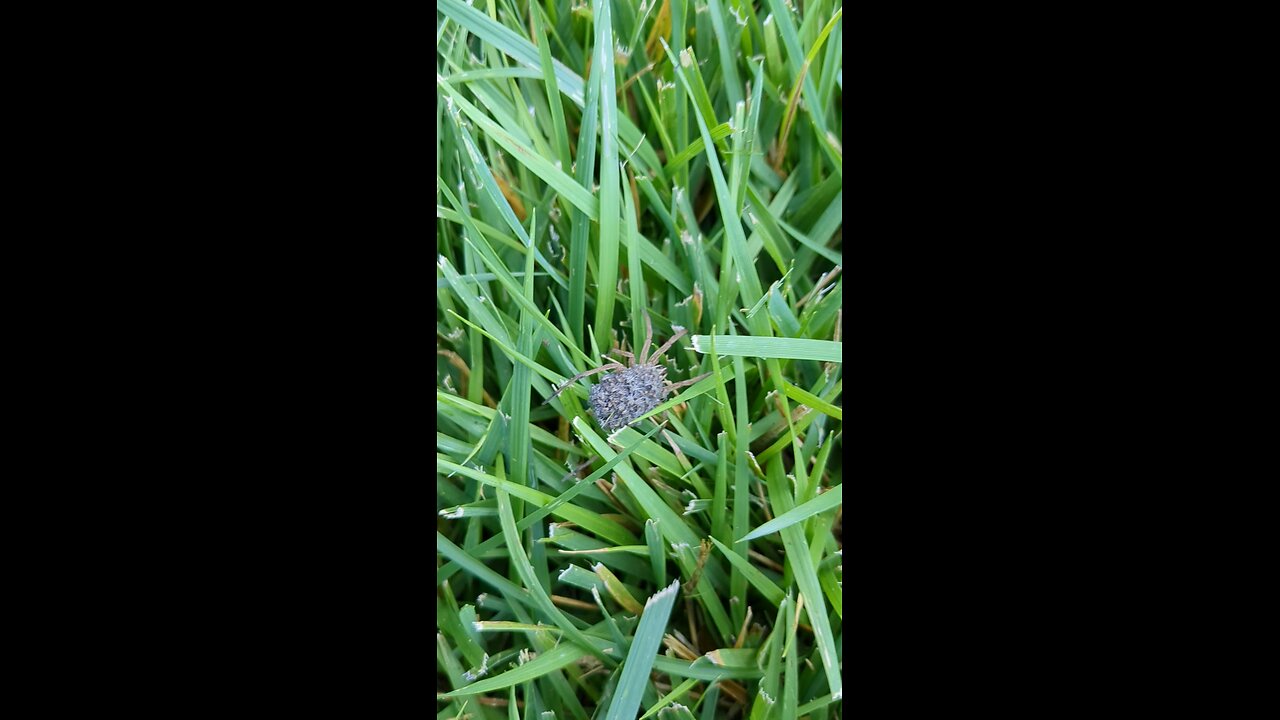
616, 589
644, 648
675, 694
541, 600
703, 669
635, 275
446, 547
805, 397
771, 347
767, 587
822, 503
727, 48
806, 577
572, 513
719, 132
562, 655
607, 272
559, 133
720, 520
741, 575
526, 156
657, 553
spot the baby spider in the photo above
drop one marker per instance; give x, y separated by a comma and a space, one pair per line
623, 396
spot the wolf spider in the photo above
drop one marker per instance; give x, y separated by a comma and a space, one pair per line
634, 390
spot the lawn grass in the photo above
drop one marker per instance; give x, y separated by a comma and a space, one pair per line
600, 162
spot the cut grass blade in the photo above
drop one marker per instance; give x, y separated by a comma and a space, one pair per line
641, 656
657, 553
615, 588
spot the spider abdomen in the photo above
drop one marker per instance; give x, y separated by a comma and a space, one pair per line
625, 396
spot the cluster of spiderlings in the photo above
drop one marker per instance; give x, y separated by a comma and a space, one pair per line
625, 396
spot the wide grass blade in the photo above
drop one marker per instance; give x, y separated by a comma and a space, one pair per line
644, 649
771, 347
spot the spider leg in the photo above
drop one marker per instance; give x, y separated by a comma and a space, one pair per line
690, 381
625, 354
585, 373
667, 344
648, 338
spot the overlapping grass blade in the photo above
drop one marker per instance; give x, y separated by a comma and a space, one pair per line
767, 587
547, 662
644, 648
541, 600
800, 513
806, 577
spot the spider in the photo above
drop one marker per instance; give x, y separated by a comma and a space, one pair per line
623, 396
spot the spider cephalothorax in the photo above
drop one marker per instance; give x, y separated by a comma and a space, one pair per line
633, 390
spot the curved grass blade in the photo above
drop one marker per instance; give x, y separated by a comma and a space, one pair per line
520, 560
574, 514
547, 662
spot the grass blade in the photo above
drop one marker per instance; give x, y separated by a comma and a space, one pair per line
806, 577
771, 347
644, 649
547, 662
526, 156
822, 503
525, 570
572, 513
675, 694
805, 397
607, 272
767, 588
